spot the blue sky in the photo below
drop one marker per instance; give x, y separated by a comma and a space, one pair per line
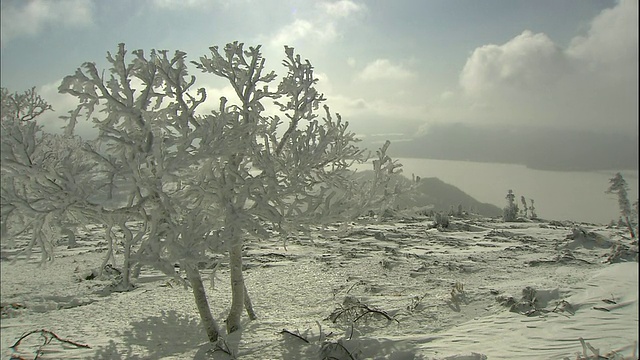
386, 66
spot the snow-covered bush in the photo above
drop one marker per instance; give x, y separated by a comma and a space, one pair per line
197, 180
441, 220
47, 183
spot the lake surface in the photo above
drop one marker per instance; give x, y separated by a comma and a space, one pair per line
558, 195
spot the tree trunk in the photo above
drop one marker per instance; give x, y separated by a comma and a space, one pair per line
110, 255
209, 323
248, 305
136, 271
630, 227
237, 285
126, 267
71, 242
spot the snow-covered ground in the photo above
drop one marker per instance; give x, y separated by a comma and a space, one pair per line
482, 289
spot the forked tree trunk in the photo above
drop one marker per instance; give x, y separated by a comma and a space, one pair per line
127, 243
209, 323
237, 285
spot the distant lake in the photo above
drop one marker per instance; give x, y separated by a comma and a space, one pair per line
558, 195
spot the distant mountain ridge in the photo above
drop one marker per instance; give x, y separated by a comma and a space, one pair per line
444, 197
440, 196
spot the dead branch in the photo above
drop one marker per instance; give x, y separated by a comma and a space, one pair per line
335, 345
48, 337
369, 310
285, 331
359, 282
337, 313
356, 309
44, 333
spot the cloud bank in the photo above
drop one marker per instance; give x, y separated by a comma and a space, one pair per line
25, 18
319, 25
592, 83
381, 69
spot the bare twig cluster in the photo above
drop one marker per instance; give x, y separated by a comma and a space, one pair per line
596, 353
416, 302
354, 310
327, 350
458, 296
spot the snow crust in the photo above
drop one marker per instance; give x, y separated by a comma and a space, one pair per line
449, 293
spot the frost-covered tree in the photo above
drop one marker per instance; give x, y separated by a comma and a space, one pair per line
46, 183
510, 212
525, 208
50, 187
532, 209
618, 186
200, 181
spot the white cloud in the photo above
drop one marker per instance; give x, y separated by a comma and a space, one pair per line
321, 25
32, 17
174, 4
290, 33
376, 108
367, 115
593, 83
192, 4
383, 69
527, 61
342, 8
447, 95
324, 84
301, 29
62, 104
346, 104
612, 38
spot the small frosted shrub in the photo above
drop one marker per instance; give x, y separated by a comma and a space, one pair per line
442, 220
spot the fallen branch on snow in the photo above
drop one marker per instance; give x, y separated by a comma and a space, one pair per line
48, 337
354, 310
285, 331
